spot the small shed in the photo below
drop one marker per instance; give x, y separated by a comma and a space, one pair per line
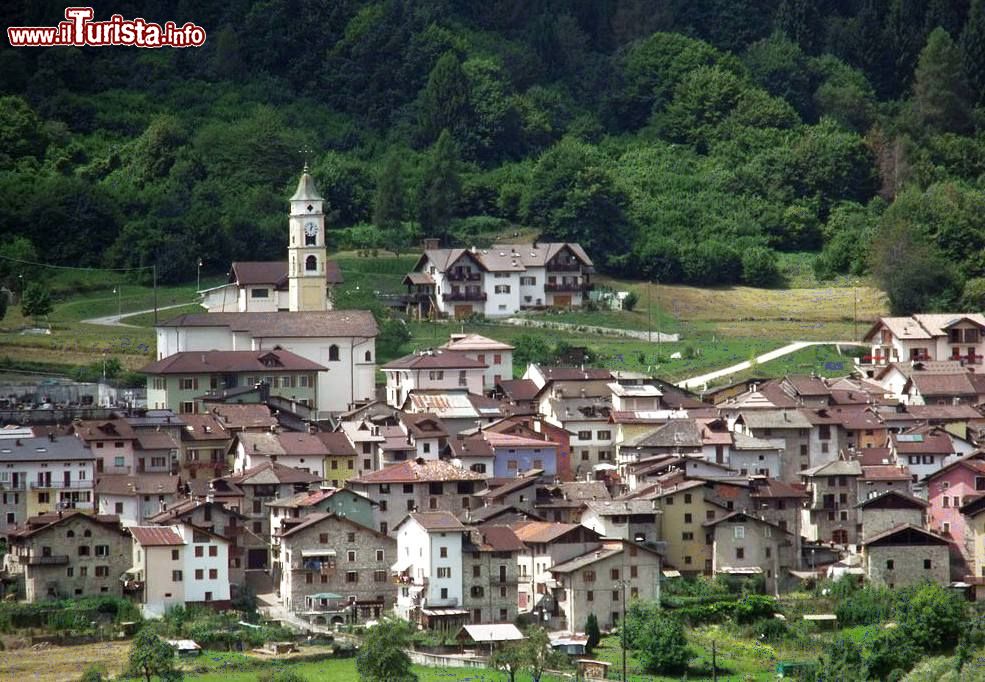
490, 635
570, 644
592, 670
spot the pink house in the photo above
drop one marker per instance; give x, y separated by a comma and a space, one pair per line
948, 489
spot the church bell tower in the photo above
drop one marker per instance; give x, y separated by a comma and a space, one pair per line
306, 250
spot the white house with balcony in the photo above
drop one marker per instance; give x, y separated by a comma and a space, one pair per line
500, 280
429, 570
926, 337
431, 369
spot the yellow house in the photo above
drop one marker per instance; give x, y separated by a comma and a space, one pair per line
974, 514
681, 526
340, 460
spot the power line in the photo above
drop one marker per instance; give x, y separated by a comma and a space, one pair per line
74, 267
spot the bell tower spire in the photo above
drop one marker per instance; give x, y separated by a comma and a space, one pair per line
307, 253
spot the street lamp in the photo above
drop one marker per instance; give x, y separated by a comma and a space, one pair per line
119, 300
198, 286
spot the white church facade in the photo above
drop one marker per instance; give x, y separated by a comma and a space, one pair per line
343, 341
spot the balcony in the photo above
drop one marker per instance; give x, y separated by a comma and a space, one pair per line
53, 560
463, 276
567, 287
61, 485
574, 266
473, 295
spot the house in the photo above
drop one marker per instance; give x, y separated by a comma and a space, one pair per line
547, 544
518, 394
754, 456
432, 369
949, 489
327, 455
236, 418
684, 508
366, 439
262, 287
500, 280
889, 509
786, 428
69, 554
326, 552
251, 490
426, 432
496, 355
458, 409
831, 514
177, 565
745, 545
182, 380
778, 503
633, 520
418, 485
906, 555
945, 336
603, 582
490, 575
924, 450
221, 520
519, 493
429, 570
974, 539
515, 455
931, 388
204, 444
44, 474
342, 502
119, 448
343, 341
134, 499
489, 637
591, 440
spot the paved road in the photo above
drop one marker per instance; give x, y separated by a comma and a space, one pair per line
114, 320
699, 381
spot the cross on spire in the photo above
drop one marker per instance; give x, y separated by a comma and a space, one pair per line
304, 152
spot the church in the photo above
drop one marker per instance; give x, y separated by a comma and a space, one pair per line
303, 282
342, 341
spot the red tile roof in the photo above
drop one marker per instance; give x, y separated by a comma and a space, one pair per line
244, 416
437, 521
231, 361
507, 440
885, 472
155, 536
275, 273
437, 358
413, 472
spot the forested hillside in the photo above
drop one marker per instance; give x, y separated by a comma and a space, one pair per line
679, 140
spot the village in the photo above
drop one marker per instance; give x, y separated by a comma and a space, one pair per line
266, 463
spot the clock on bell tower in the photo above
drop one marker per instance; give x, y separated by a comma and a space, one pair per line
307, 254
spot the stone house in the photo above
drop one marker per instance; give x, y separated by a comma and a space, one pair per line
831, 514
787, 429
906, 555
326, 552
633, 520
70, 554
418, 485
547, 544
890, 509
746, 545
490, 574
205, 444
604, 581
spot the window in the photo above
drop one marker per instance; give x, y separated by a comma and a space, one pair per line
615, 595
584, 435
588, 576
69, 572
589, 596
511, 464
528, 281
83, 550
102, 550
687, 498
687, 536
614, 574
890, 564
188, 407
444, 593
436, 375
739, 532
688, 518
926, 564
260, 293
502, 288
740, 553
199, 551
323, 538
352, 576
603, 435
309, 578
379, 555
444, 571
411, 506
333, 353
350, 556
311, 264
176, 576
199, 574
443, 552
213, 550
634, 571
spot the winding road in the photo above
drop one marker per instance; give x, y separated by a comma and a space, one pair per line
698, 381
115, 320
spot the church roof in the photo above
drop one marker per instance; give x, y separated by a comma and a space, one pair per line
322, 323
204, 362
306, 188
274, 273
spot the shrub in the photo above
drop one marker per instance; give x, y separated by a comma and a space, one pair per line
753, 607
632, 298
662, 645
771, 630
281, 675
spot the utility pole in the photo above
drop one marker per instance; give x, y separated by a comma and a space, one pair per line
198, 286
154, 267
649, 315
854, 313
714, 662
622, 630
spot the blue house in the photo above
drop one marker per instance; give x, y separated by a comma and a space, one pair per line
513, 455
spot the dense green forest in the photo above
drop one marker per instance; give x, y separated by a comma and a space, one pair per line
678, 140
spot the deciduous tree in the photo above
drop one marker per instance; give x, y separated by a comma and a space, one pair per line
382, 657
